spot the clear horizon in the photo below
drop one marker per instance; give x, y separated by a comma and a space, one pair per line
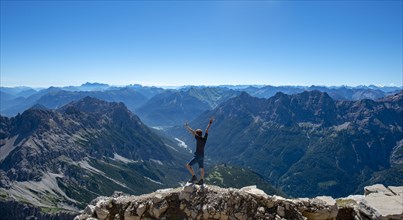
178, 86
331, 43
184, 85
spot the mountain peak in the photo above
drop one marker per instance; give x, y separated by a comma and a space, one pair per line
90, 99
94, 84
53, 89
244, 94
279, 95
34, 118
245, 100
39, 107
90, 104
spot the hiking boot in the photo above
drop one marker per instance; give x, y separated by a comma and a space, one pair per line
192, 180
201, 182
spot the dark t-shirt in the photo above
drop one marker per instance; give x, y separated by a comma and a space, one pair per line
201, 142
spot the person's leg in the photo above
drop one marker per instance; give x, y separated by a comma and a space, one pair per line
201, 167
190, 169
201, 173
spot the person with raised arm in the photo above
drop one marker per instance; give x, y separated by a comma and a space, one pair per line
199, 153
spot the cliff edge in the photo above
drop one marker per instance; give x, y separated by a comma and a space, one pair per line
212, 202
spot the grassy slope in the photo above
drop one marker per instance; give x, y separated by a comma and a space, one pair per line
228, 176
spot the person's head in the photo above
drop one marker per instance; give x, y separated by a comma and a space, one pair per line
199, 132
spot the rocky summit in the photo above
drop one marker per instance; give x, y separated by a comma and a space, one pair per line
212, 202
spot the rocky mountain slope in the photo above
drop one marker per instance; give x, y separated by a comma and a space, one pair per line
62, 159
212, 202
173, 107
308, 144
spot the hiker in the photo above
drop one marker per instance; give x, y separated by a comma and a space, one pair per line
199, 154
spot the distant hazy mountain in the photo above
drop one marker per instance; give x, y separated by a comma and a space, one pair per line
88, 87
337, 93
147, 91
19, 104
307, 143
5, 98
174, 107
388, 89
61, 159
53, 97
18, 91
130, 97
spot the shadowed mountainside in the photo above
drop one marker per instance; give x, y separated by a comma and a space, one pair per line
308, 144
62, 159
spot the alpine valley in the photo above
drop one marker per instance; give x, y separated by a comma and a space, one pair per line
308, 144
60, 148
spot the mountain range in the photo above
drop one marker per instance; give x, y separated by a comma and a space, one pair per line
337, 93
17, 100
62, 147
166, 107
308, 144
174, 107
56, 161
61, 159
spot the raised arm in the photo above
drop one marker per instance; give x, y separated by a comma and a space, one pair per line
190, 129
209, 124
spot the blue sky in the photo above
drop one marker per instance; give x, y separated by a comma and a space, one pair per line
162, 43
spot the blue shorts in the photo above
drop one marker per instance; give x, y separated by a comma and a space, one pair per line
197, 159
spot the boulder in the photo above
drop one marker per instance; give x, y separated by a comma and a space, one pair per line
254, 191
141, 209
320, 208
90, 209
379, 202
377, 188
383, 204
281, 211
159, 209
101, 212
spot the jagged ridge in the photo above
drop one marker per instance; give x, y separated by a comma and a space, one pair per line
62, 159
307, 144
